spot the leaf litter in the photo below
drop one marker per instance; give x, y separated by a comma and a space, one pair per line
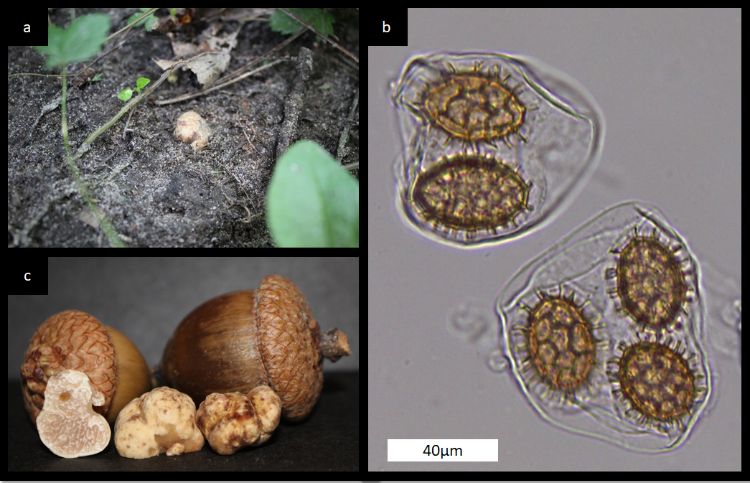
207, 68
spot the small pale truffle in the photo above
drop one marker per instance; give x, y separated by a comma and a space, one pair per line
232, 421
192, 128
159, 421
68, 425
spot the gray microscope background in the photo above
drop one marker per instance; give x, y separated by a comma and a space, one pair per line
668, 83
145, 298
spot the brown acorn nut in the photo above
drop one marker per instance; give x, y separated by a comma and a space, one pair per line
233, 421
76, 340
67, 425
240, 340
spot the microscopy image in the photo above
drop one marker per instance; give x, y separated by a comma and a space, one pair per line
605, 331
534, 303
522, 136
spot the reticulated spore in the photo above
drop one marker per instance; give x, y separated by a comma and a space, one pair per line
474, 105
560, 344
468, 195
651, 281
656, 382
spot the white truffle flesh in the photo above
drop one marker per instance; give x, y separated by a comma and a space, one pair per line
67, 424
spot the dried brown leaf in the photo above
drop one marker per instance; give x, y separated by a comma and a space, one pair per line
207, 68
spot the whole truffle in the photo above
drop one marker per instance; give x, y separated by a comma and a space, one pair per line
233, 421
160, 421
192, 128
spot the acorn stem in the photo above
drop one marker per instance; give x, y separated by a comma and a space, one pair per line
334, 344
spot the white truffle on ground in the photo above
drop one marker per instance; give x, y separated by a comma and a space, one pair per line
234, 420
159, 421
192, 128
68, 425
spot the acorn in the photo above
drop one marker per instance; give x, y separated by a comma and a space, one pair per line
78, 341
241, 340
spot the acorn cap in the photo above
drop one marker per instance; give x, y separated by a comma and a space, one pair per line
237, 341
68, 340
289, 339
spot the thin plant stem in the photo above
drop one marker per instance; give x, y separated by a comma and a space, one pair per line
267, 54
130, 25
18, 74
332, 42
104, 223
342, 150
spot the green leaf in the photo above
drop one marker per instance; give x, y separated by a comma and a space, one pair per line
321, 20
97, 77
81, 40
312, 201
125, 94
136, 16
149, 22
141, 82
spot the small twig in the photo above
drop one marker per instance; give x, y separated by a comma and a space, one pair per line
249, 142
294, 100
118, 169
352, 166
185, 97
255, 16
265, 55
101, 56
332, 42
341, 60
19, 74
250, 216
127, 123
239, 183
132, 24
342, 150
